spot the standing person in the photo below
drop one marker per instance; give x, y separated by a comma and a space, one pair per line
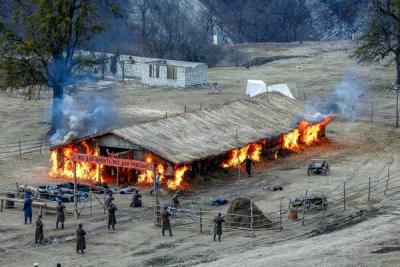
166, 224
39, 230
111, 216
80, 239
156, 183
175, 203
60, 214
248, 163
136, 199
109, 199
28, 208
218, 226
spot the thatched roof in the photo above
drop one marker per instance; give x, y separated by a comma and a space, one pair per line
192, 136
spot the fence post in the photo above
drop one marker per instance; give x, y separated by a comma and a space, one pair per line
280, 214
387, 181
19, 145
372, 111
201, 221
90, 200
185, 109
251, 219
75, 191
237, 154
123, 71
104, 201
369, 188
166, 114
304, 208
41, 143
344, 196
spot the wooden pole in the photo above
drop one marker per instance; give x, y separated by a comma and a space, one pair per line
369, 188
104, 201
387, 181
1, 205
252, 218
75, 191
201, 221
397, 106
344, 196
90, 201
40, 148
304, 208
372, 111
280, 214
237, 154
19, 145
185, 109
117, 176
123, 71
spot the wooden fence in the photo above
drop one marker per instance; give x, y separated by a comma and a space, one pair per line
16, 148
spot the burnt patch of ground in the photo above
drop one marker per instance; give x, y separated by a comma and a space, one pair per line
258, 61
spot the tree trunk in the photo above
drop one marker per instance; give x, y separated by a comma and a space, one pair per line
56, 116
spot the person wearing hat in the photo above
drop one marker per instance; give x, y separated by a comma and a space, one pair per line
39, 230
218, 226
60, 214
80, 239
166, 224
28, 208
136, 199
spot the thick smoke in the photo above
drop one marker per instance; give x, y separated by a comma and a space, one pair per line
91, 116
344, 102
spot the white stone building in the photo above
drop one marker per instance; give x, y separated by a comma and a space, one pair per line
152, 71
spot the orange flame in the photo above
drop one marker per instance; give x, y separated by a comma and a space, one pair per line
307, 134
178, 178
236, 157
62, 164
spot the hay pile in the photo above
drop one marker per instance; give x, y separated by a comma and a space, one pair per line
239, 215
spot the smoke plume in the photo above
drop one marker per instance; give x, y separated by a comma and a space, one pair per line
90, 116
343, 102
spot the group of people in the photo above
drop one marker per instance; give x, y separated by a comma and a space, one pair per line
111, 208
39, 234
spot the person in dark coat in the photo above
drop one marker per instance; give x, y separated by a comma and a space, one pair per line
136, 199
218, 226
248, 163
60, 215
109, 199
39, 230
175, 203
28, 209
166, 224
111, 216
80, 239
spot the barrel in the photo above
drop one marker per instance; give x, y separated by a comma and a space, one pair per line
10, 204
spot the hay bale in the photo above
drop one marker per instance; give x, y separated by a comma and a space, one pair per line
239, 215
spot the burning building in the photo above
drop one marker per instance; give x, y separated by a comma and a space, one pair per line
190, 144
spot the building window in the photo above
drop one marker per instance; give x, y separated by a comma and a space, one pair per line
171, 72
154, 71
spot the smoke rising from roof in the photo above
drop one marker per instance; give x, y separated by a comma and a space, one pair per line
92, 115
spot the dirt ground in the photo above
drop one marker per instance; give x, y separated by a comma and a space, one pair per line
356, 150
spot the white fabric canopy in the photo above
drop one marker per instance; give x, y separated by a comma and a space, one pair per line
281, 88
255, 87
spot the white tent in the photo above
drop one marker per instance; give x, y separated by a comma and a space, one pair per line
281, 88
255, 87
